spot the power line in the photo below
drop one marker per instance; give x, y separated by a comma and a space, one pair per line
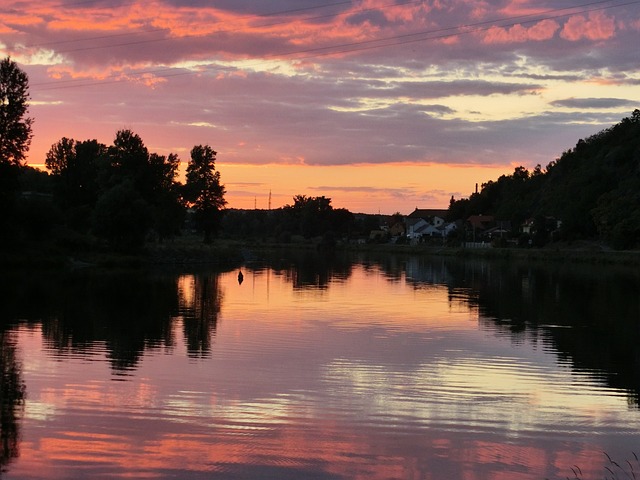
384, 42
439, 33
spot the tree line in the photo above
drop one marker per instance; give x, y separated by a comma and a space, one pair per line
121, 193
125, 196
593, 190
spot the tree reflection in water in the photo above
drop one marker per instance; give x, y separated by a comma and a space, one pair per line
200, 299
128, 312
586, 317
12, 395
589, 315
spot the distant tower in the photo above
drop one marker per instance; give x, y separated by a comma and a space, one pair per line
255, 203
269, 199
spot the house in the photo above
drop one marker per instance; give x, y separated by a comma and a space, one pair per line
502, 229
550, 224
397, 229
449, 228
415, 227
428, 223
481, 222
434, 216
527, 226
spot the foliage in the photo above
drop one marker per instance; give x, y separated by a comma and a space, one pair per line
203, 190
76, 167
15, 137
122, 217
34, 180
127, 195
84, 171
308, 218
15, 127
591, 188
314, 216
38, 217
128, 159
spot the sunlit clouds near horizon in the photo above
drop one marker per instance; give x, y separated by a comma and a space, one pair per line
381, 105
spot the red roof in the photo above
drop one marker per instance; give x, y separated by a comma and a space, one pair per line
481, 221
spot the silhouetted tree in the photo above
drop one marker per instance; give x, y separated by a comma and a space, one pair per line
203, 190
165, 196
15, 137
122, 217
153, 176
15, 126
592, 189
128, 158
76, 167
310, 215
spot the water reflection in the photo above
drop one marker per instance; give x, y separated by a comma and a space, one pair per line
128, 312
589, 315
12, 394
367, 367
200, 299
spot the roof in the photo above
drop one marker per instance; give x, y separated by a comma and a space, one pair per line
427, 229
480, 221
428, 212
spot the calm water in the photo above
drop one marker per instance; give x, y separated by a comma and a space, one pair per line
363, 368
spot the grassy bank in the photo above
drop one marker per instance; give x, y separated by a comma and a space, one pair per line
183, 251
190, 250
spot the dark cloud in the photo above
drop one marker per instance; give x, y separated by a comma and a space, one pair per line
593, 103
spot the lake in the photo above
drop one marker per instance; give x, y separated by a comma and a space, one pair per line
351, 367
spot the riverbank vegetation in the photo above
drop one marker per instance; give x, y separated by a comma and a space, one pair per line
591, 192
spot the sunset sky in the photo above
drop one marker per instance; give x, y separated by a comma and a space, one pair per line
381, 105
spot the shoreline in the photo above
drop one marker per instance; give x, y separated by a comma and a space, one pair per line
230, 253
558, 254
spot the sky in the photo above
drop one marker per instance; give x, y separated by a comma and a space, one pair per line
381, 105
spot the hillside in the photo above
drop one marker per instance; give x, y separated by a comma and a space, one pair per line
593, 190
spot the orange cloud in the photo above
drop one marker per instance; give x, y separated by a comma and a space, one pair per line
597, 26
544, 30
111, 72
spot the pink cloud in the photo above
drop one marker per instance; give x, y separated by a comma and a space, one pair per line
635, 25
544, 30
165, 69
597, 26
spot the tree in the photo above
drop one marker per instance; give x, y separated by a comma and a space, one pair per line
122, 217
128, 159
153, 176
15, 127
61, 156
168, 210
203, 190
15, 136
75, 169
315, 216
